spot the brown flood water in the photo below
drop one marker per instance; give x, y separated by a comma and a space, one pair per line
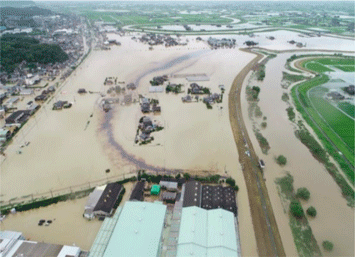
335, 220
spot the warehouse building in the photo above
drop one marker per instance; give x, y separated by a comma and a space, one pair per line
207, 233
102, 200
138, 231
192, 195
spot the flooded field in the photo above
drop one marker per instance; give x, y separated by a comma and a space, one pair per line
67, 221
335, 220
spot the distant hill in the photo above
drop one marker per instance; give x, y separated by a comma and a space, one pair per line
12, 3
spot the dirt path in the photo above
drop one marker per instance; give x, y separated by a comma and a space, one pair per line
265, 227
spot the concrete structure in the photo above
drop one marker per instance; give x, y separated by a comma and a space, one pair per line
138, 231
12, 244
207, 233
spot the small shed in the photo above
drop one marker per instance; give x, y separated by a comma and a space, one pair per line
155, 190
169, 197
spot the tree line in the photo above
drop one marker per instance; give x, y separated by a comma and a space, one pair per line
18, 48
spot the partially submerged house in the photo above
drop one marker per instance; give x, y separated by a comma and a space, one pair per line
131, 86
186, 98
107, 201
17, 118
59, 105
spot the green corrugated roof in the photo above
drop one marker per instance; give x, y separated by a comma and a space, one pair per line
207, 233
138, 230
155, 190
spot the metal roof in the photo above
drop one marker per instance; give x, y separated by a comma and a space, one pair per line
207, 233
138, 230
104, 235
108, 198
192, 196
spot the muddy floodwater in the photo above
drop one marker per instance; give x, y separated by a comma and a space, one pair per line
335, 220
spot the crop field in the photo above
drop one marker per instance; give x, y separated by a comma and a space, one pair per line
316, 66
348, 108
322, 65
346, 68
341, 124
133, 18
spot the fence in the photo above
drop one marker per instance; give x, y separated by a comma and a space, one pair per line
71, 191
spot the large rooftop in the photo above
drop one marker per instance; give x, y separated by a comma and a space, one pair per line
138, 231
207, 233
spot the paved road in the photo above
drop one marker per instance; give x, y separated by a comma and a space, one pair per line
266, 231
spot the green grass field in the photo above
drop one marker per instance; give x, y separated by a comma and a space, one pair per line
337, 61
305, 107
348, 108
346, 68
342, 125
317, 67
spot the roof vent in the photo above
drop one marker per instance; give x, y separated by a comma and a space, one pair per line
136, 231
140, 219
221, 233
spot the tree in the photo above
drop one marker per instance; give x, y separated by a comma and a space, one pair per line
281, 160
296, 209
311, 211
327, 245
187, 176
230, 181
303, 193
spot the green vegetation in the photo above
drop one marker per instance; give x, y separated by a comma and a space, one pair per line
315, 66
258, 113
311, 211
252, 93
264, 144
303, 193
327, 245
18, 48
303, 237
292, 77
338, 123
322, 130
291, 114
260, 74
350, 68
324, 133
347, 108
296, 209
175, 89
263, 124
285, 97
281, 160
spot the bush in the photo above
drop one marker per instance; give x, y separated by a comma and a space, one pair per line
311, 211
303, 193
281, 160
296, 209
230, 181
236, 188
187, 176
263, 124
327, 245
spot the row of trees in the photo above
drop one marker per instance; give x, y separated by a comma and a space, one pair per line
18, 48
